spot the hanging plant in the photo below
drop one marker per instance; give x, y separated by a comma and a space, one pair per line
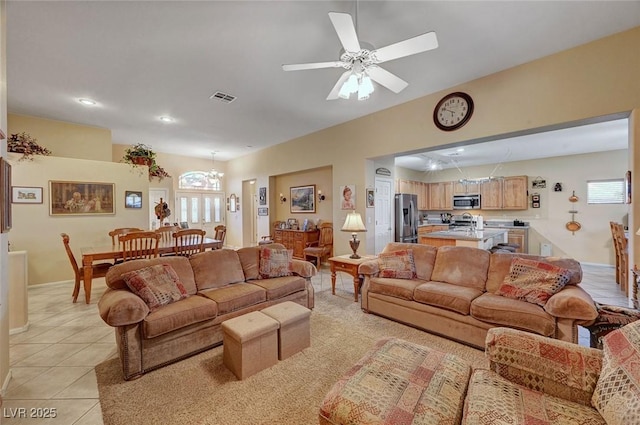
26, 145
141, 154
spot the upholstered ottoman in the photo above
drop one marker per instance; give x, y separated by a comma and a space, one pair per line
250, 343
294, 334
399, 382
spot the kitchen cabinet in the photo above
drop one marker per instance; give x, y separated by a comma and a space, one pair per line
423, 230
406, 186
441, 196
297, 240
423, 196
508, 193
519, 236
466, 188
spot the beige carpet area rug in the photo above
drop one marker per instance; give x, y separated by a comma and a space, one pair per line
202, 391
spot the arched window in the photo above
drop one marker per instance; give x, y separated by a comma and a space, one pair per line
199, 180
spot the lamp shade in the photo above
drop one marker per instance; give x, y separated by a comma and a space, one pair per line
353, 223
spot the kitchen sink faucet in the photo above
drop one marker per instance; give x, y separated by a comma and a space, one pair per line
473, 223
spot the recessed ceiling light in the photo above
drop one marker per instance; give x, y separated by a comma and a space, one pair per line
87, 102
166, 119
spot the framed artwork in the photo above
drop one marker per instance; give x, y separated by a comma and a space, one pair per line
232, 207
262, 196
132, 199
627, 186
303, 199
348, 193
5, 195
26, 195
371, 199
81, 198
263, 211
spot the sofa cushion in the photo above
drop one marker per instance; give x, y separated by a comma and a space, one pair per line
217, 268
157, 285
397, 264
500, 265
533, 281
617, 393
444, 295
461, 265
235, 297
275, 262
423, 256
398, 288
250, 259
179, 264
178, 315
492, 399
279, 287
517, 314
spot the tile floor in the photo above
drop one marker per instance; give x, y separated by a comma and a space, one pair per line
52, 362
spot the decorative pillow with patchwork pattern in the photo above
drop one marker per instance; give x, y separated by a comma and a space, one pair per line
397, 264
533, 281
275, 262
617, 393
157, 285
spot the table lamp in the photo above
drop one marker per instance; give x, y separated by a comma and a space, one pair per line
354, 224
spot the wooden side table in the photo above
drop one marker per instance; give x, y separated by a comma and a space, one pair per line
348, 265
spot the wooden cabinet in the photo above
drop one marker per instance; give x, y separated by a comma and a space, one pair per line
508, 193
423, 230
406, 186
519, 236
441, 196
466, 188
423, 196
297, 240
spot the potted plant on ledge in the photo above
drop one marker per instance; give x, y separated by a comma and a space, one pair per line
26, 145
141, 154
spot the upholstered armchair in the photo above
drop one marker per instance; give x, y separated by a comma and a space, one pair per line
534, 379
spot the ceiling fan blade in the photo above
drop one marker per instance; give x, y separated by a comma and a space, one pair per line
411, 46
333, 95
316, 65
387, 79
343, 24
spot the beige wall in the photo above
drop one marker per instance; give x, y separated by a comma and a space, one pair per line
5, 374
38, 233
592, 243
321, 178
593, 80
65, 139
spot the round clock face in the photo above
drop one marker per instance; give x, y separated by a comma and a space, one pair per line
453, 111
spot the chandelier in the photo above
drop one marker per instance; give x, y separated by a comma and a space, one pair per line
214, 176
358, 82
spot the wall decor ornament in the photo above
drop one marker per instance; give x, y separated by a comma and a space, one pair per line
303, 199
81, 198
141, 154
26, 195
132, 199
262, 196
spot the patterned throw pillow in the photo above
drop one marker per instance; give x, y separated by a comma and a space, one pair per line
533, 281
275, 262
157, 285
617, 393
397, 264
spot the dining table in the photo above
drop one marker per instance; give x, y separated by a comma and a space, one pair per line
90, 254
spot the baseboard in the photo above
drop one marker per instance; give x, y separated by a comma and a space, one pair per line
19, 330
609, 266
5, 384
60, 282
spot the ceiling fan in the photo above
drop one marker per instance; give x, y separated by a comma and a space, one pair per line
362, 64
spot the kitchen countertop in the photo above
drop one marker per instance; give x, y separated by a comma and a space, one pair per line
433, 224
478, 235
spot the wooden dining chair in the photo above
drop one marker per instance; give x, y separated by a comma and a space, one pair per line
622, 256
139, 245
221, 232
188, 241
323, 247
166, 233
116, 233
99, 269
614, 243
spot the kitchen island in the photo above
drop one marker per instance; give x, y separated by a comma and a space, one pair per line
483, 239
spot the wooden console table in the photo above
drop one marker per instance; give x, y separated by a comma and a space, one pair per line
297, 240
348, 265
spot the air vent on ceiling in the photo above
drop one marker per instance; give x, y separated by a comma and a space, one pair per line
222, 97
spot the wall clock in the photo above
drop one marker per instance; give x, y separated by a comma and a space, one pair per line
453, 111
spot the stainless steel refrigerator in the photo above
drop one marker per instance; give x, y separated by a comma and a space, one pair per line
406, 217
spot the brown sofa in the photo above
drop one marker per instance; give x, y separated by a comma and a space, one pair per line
221, 284
454, 295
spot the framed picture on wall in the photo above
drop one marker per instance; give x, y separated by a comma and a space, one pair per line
132, 199
303, 199
26, 195
81, 198
348, 194
371, 198
627, 187
263, 211
5, 195
262, 195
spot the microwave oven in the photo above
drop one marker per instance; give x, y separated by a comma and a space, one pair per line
466, 202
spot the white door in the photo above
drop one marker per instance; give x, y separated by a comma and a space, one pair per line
154, 199
383, 200
200, 210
